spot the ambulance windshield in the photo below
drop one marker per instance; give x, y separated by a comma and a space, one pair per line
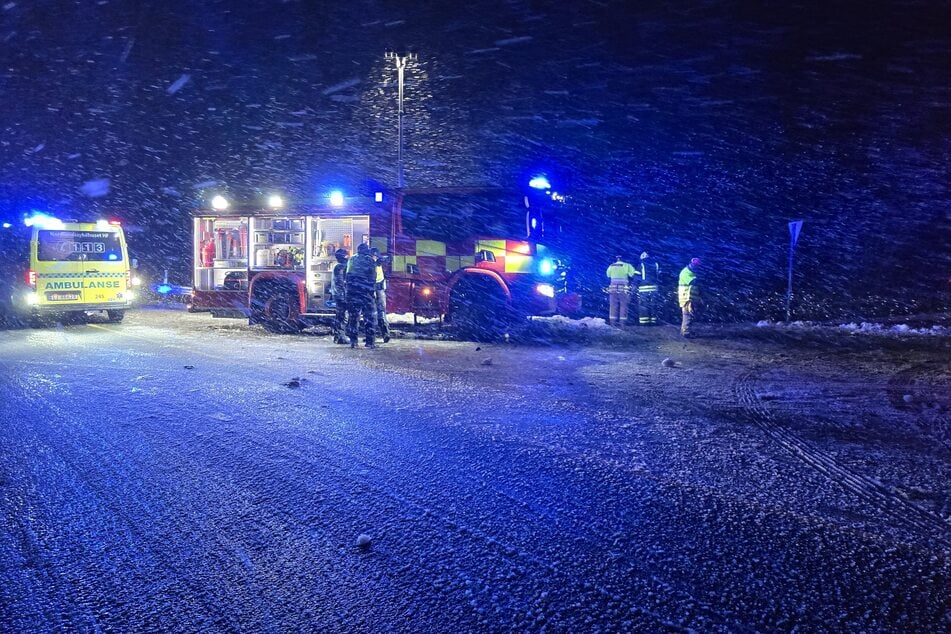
97, 246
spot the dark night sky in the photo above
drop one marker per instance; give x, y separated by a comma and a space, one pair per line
698, 131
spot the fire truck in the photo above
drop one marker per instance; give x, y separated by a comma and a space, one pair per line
472, 257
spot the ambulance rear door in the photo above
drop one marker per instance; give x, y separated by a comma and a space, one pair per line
105, 264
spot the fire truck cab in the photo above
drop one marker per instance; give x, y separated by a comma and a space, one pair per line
471, 256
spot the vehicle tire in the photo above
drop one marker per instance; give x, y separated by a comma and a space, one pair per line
257, 303
282, 314
480, 311
115, 316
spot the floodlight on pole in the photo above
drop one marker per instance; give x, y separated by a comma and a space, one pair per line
400, 68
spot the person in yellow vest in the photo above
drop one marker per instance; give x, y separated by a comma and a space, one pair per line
383, 326
688, 295
619, 291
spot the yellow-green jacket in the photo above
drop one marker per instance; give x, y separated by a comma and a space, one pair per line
620, 272
688, 289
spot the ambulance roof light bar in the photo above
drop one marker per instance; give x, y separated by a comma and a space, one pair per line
42, 220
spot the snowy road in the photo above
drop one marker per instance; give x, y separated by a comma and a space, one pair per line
178, 473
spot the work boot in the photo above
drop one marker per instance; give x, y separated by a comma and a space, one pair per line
386, 338
353, 342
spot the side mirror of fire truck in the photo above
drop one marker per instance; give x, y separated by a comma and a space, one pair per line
412, 269
485, 256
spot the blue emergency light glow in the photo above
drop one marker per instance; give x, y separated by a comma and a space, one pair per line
378, 197
164, 289
546, 267
336, 198
113, 257
7, 225
42, 220
539, 182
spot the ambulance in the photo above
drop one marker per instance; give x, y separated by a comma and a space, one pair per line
68, 269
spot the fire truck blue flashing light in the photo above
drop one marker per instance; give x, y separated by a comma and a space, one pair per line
539, 182
378, 197
336, 198
546, 267
164, 289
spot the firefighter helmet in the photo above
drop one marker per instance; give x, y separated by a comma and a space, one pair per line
695, 262
341, 254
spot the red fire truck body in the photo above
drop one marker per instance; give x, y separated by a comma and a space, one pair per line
470, 255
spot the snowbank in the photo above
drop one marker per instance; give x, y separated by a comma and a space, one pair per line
863, 328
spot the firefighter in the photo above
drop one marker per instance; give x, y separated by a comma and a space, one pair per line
619, 289
338, 291
647, 291
688, 295
361, 283
380, 296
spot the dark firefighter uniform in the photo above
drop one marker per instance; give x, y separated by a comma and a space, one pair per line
648, 291
338, 290
361, 301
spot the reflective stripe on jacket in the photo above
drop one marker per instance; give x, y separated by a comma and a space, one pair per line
688, 289
650, 271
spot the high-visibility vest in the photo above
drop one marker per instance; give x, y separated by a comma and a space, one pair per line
620, 272
687, 288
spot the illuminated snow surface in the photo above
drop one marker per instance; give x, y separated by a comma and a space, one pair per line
181, 473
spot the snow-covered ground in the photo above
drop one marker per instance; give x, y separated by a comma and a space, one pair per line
181, 473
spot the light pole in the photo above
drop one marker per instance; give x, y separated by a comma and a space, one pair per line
400, 68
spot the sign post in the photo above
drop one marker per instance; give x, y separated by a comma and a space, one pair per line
794, 228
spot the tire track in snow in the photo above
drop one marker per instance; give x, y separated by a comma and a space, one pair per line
864, 487
87, 456
926, 386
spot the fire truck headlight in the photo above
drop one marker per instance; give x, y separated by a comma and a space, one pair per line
136, 281
130, 296
546, 267
426, 291
32, 299
219, 203
545, 290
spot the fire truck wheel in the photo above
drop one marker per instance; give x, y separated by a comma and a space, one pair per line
115, 316
479, 310
281, 314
